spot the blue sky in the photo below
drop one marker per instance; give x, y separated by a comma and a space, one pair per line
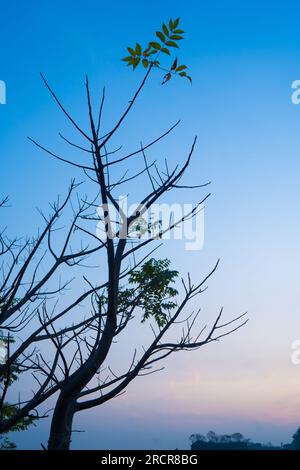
243, 58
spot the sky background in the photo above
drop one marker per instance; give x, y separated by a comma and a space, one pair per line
243, 58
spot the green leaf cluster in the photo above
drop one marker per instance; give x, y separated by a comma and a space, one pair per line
166, 39
8, 411
150, 290
154, 289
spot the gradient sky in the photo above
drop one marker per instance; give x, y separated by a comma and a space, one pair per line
243, 58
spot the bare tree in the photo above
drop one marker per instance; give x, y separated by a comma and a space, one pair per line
31, 275
134, 286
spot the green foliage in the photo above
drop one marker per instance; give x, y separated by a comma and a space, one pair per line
168, 38
14, 372
165, 29
8, 411
153, 289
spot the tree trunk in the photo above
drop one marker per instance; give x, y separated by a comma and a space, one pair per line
61, 425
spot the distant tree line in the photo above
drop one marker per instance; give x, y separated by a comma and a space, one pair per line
237, 441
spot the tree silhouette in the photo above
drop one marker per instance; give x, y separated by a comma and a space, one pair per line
296, 440
25, 290
134, 286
